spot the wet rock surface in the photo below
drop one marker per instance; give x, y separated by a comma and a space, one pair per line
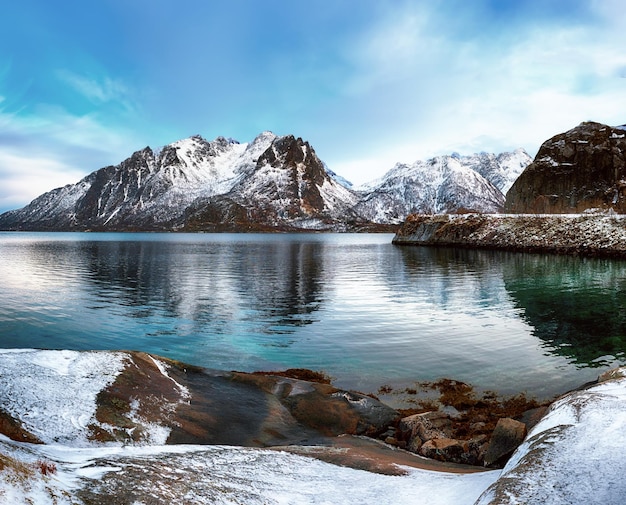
198, 406
155, 401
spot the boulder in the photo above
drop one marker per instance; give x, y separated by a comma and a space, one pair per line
506, 437
420, 428
443, 449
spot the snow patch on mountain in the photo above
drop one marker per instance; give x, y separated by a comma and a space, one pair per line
440, 185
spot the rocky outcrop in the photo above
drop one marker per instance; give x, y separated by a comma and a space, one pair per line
583, 168
588, 234
573, 455
256, 410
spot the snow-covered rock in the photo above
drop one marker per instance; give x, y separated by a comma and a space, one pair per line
441, 185
575, 454
589, 234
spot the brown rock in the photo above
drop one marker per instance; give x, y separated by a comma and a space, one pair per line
506, 437
443, 449
580, 169
419, 428
391, 441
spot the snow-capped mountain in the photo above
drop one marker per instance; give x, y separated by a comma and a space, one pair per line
502, 170
289, 186
442, 185
270, 183
149, 189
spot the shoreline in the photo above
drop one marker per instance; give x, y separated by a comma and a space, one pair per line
589, 235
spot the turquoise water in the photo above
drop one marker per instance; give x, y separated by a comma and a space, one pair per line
366, 312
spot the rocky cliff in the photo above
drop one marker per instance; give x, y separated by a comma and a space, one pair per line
583, 168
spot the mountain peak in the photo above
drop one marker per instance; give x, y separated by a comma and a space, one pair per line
273, 182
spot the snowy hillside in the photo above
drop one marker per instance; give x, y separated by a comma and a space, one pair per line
444, 184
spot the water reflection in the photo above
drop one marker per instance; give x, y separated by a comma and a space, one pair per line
276, 287
364, 311
577, 307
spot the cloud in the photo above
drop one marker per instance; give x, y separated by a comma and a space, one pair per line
26, 176
52, 147
424, 84
98, 91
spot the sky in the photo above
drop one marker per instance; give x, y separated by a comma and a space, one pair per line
368, 83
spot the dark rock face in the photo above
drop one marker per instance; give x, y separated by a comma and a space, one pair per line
581, 169
507, 437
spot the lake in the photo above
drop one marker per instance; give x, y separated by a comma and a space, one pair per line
366, 312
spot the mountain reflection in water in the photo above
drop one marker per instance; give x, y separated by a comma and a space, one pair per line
366, 312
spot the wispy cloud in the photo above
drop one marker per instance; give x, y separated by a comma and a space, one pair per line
26, 176
52, 147
99, 91
438, 89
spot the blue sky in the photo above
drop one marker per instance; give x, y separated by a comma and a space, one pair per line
368, 83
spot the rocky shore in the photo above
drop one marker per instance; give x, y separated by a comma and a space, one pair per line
294, 407
588, 234
128, 427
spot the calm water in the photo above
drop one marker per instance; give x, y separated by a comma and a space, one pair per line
365, 311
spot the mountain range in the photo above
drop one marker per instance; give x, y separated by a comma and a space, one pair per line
272, 183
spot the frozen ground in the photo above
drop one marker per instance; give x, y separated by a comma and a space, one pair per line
54, 394
574, 455
225, 475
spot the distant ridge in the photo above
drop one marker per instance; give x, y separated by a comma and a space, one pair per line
272, 183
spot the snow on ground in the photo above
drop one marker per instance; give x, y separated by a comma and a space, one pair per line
54, 393
225, 475
575, 454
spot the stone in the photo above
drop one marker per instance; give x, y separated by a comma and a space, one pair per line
391, 441
443, 449
419, 428
506, 437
